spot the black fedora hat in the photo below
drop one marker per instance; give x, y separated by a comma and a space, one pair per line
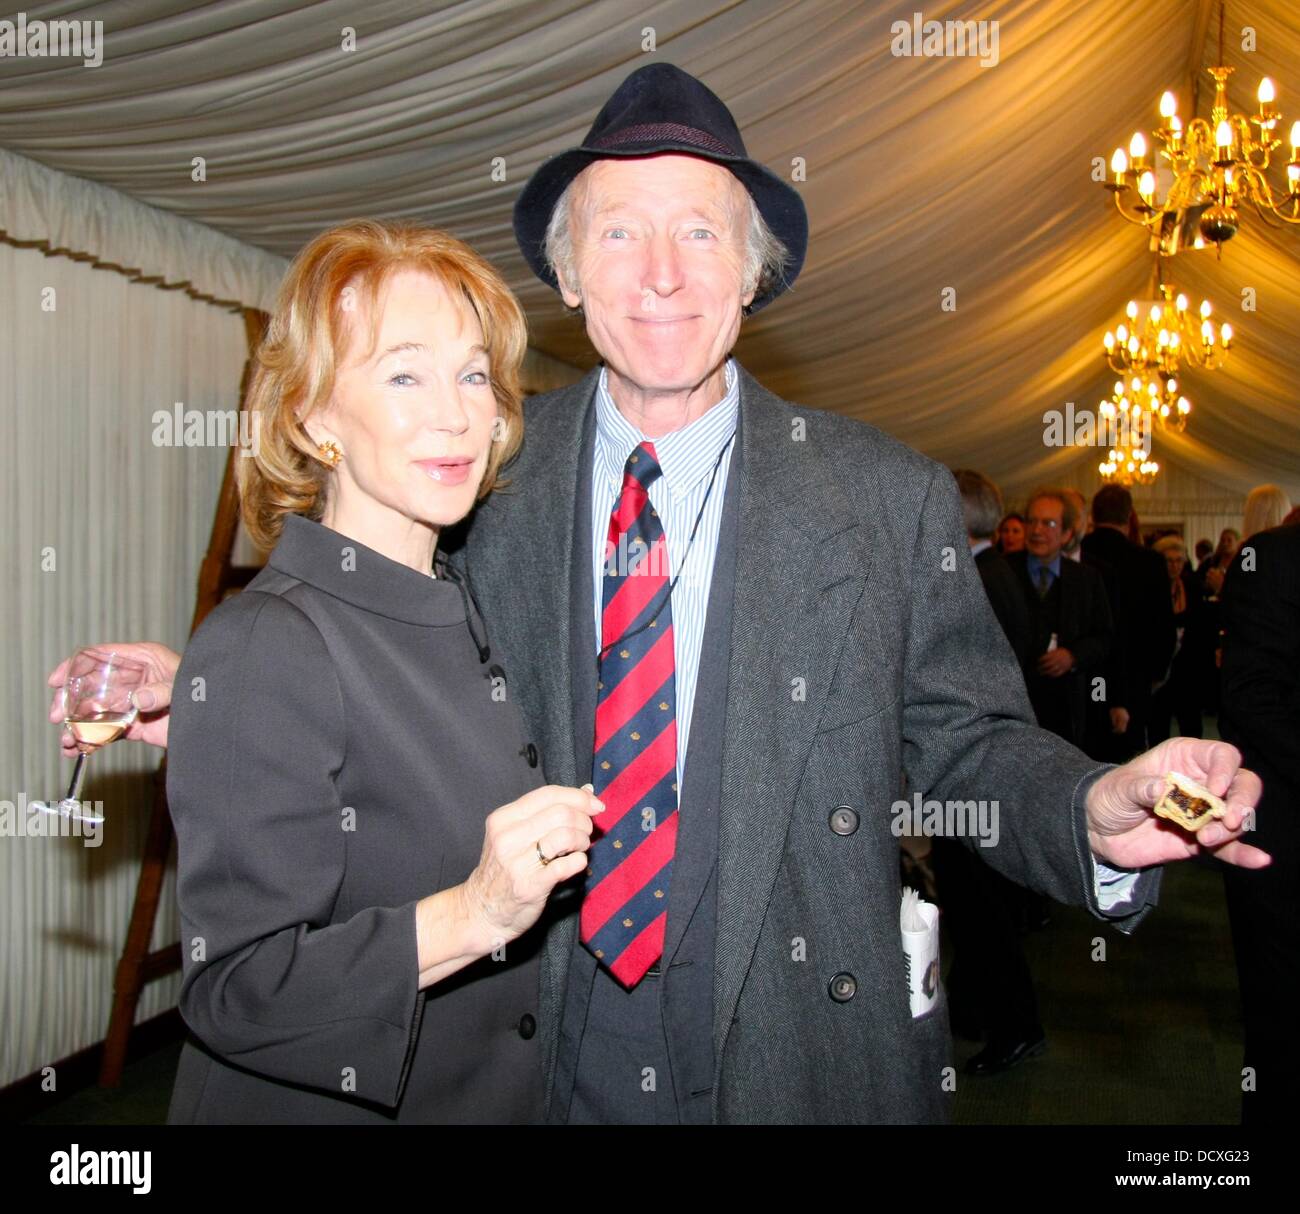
660, 108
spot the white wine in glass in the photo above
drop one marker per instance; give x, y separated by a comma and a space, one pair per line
97, 709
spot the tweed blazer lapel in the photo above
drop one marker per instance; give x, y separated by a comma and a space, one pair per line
801, 568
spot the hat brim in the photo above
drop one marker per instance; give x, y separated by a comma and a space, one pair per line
778, 202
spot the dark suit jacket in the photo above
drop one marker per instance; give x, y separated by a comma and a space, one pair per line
1085, 630
845, 584
1006, 598
338, 768
1260, 709
1143, 616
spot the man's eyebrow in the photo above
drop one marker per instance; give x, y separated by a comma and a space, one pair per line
718, 214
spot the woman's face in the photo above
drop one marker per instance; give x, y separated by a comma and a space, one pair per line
414, 417
1011, 535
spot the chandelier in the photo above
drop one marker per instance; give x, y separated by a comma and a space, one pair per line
1212, 170
1143, 398
1129, 461
1157, 339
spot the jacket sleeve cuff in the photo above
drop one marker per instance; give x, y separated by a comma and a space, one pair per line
1122, 897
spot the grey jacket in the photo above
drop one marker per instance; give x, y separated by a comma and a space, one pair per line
862, 649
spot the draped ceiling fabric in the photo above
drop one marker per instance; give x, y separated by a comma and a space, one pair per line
922, 173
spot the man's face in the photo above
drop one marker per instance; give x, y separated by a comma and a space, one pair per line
1044, 530
659, 253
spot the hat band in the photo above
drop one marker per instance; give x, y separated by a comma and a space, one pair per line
663, 132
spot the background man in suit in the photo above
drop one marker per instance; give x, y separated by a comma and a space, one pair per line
1260, 713
1069, 625
734, 954
989, 983
1143, 614
1073, 547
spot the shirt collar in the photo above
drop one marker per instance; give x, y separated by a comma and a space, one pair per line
979, 545
1035, 564
686, 455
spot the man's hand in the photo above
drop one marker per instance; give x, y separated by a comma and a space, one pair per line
1123, 831
153, 699
1056, 662
1119, 720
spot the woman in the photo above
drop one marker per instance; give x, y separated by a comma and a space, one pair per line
1178, 697
1266, 507
355, 908
1011, 534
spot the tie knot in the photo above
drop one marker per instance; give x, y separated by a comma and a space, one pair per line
643, 466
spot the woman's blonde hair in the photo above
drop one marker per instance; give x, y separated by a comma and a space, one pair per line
296, 363
1266, 506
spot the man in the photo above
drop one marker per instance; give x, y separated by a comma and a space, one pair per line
1203, 549
1068, 622
740, 960
1073, 549
981, 503
990, 987
1260, 713
1143, 614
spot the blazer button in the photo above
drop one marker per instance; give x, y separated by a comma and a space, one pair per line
527, 1025
844, 820
843, 987
530, 754
495, 672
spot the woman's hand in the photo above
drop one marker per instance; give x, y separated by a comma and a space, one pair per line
153, 699
509, 888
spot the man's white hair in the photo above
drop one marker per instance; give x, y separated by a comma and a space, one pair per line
765, 255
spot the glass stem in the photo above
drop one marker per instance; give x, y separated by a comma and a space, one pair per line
74, 787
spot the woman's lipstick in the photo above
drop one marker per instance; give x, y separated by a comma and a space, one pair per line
449, 470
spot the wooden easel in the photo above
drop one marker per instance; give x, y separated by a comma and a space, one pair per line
218, 576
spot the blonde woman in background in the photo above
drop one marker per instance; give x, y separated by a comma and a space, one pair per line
1266, 506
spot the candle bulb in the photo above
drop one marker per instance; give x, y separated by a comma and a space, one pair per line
1168, 105
1266, 95
1137, 147
1223, 139
1119, 164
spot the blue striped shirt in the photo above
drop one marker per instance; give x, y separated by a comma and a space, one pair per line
687, 457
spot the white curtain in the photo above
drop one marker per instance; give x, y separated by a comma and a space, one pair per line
102, 536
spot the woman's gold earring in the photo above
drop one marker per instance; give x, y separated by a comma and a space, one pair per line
330, 452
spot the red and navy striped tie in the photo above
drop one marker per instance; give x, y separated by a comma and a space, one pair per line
625, 907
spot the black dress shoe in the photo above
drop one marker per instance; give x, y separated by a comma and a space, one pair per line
1002, 1056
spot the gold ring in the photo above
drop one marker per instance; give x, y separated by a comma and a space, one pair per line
545, 861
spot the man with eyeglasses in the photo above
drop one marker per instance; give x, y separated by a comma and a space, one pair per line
1069, 622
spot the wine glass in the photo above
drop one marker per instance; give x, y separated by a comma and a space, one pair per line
97, 710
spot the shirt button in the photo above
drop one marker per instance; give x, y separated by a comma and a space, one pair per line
843, 987
527, 1026
844, 820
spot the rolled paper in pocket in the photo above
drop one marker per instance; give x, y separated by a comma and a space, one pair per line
919, 926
